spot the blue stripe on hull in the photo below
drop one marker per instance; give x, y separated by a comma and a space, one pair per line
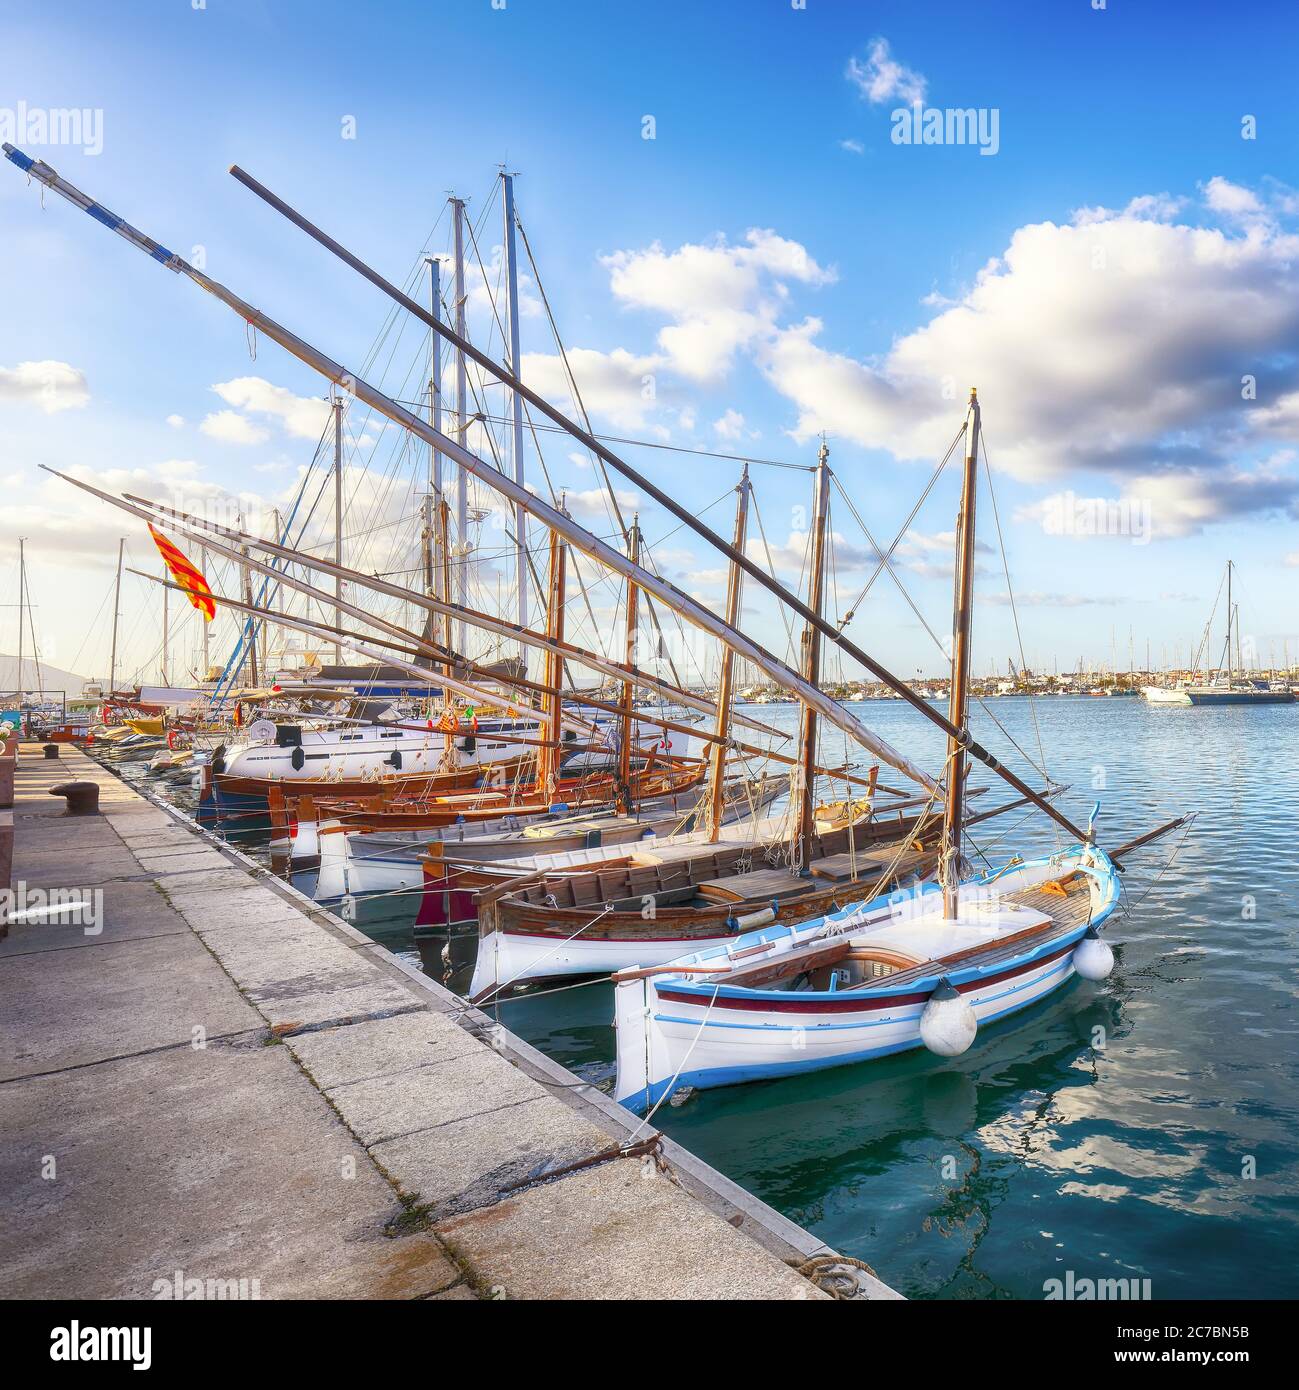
728, 1076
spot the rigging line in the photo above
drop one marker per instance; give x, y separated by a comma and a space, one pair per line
933, 636
668, 448
1177, 849
94, 627
650, 606
771, 566
897, 540
1014, 610
616, 510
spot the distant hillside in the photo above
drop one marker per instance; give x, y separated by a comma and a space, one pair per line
51, 677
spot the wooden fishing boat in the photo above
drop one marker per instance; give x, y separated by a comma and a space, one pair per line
375, 861
221, 795
864, 981
643, 910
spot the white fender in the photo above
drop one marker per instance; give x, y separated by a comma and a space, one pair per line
1093, 957
948, 1024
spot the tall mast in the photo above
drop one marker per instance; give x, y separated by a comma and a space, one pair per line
338, 521
516, 448
433, 497
726, 679
625, 742
812, 663
444, 550
958, 707
552, 703
462, 424
22, 586
117, 608
203, 623
166, 625
1231, 671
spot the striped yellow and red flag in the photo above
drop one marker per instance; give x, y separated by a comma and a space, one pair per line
184, 573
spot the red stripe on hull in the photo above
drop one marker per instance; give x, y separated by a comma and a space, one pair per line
846, 1004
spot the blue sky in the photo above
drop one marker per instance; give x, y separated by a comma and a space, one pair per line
775, 197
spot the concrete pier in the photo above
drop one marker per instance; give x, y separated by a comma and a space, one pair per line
218, 1087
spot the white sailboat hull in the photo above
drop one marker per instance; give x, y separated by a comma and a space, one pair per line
694, 1030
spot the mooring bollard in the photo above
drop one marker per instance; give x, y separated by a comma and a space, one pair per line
83, 797
51, 751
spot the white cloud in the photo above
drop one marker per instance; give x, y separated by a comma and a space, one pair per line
1116, 344
176, 421
479, 299
51, 386
619, 385
730, 426
229, 427
852, 146
880, 77
1231, 199
720, 297
303, 417
1035, 598
593, 503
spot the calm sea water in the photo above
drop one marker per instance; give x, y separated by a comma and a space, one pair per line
1142, 1128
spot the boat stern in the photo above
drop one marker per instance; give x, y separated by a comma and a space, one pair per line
637, 1085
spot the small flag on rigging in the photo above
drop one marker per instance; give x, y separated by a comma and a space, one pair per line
184, 573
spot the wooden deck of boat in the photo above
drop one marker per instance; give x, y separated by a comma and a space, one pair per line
865, 864
756, 885
1066, 914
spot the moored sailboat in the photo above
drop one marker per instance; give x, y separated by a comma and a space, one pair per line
920, 967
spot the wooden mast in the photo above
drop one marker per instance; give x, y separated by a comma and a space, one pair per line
434, 538
958, 706
553, 702
166, 634
629, 649
462, 422
812, 663
726, 678
516, 402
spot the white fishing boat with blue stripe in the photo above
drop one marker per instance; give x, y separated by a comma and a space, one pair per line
875, 978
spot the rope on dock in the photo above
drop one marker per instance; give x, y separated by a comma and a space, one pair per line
834, 1274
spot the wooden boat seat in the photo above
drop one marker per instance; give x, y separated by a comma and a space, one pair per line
838, 868
756, 885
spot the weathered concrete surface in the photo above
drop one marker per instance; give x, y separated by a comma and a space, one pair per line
219, 1162
646, 1238
336, 1090
128, 1153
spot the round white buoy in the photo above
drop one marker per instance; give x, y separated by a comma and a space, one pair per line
1093, 958
948, 1024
